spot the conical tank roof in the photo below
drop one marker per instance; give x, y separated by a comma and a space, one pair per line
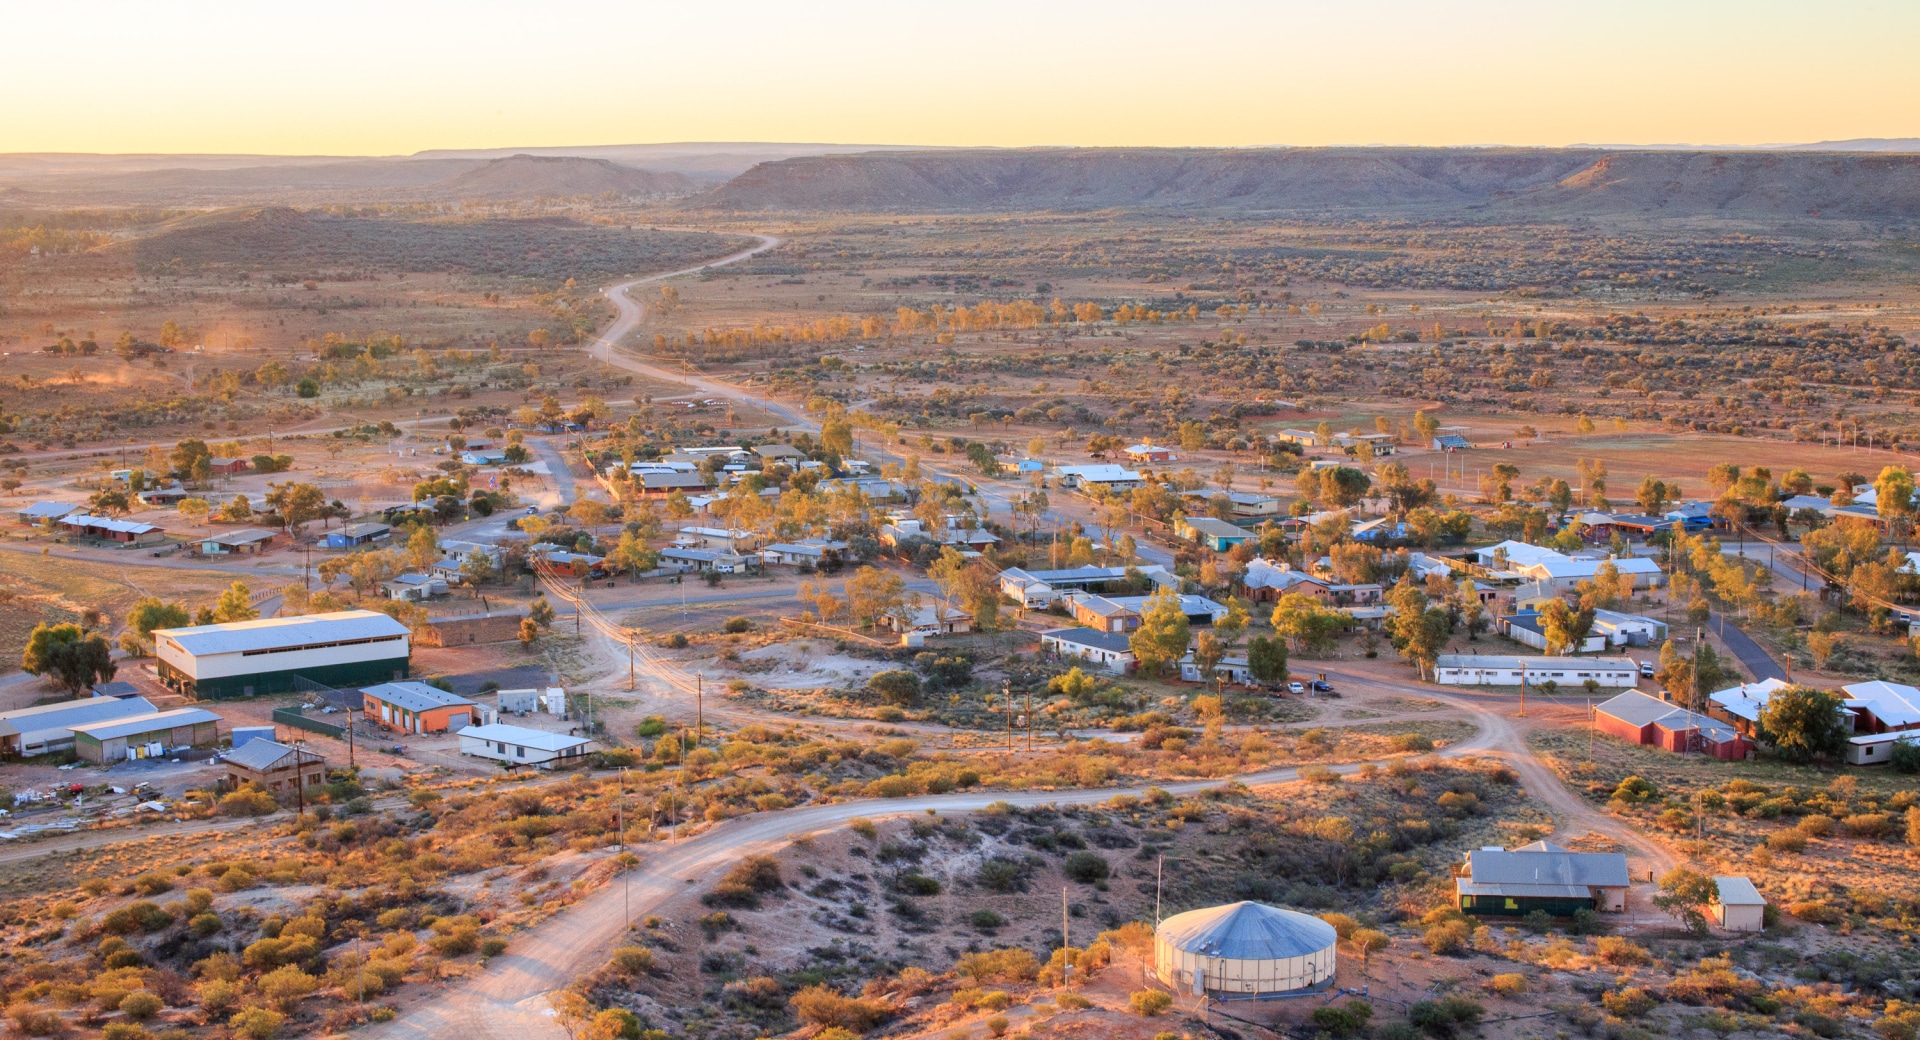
1247, 932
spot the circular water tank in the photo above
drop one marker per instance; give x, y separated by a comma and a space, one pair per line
1244, 948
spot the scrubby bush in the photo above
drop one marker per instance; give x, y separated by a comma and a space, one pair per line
1001, 874
736, 625
1631, 1002
1447, 937
1446, 1016
1612, 949
248, 801
1508, 984
1149, 1002
1348, 1020
633, 960
1087, 867
746, 882
1072, 1002
823, 1006
1009, 965
255, 1023
986, 920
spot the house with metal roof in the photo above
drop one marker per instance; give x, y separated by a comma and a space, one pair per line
415, 707
1112, 651
127, 532
246, 540
414, 587
1525, 627
519, 746
145, 736
778, 452
730, 539
1496, 670
45, 728
44, 514
1042, 588
1883, 707
1737, 906
267, 655
1496, 882
811, 551
1104, 475
1217, 535
683, 561
1640, 719
354, 535
282, 770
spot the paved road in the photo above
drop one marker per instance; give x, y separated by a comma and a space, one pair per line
1752, 655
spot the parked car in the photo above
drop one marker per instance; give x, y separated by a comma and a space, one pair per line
1321, 686
1294, 687
1646, 669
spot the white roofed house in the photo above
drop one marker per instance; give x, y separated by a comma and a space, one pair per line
513, 746
1494, 670
1103, 475
927, 619
811, 551
1500, 882
44, 514
1266, 581
730, 539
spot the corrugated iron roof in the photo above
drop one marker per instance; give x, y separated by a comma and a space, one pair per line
1247, 931
275, 633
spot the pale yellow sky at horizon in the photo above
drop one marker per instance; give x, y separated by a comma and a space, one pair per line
360, 78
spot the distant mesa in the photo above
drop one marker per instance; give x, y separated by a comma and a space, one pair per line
1479, 184
521, 176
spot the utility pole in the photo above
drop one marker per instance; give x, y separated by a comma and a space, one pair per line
1006, 690
1159, 864
1523, 689
1029, 718
699, 707
1066, 945
630, 680
350, 762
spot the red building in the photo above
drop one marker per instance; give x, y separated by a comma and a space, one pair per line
227, 467
1639, 719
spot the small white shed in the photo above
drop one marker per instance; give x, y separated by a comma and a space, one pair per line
1737, 906
520, 746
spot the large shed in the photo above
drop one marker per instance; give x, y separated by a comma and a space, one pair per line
145, 736
1244, 950
268, 655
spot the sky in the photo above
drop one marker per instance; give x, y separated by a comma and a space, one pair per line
350, 77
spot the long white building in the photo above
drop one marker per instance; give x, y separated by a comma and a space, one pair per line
245, 658
49, 727
1493, 670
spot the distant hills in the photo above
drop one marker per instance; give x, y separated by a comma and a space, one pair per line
1870, 180
1473, 183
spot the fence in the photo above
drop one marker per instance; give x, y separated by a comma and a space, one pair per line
292, 717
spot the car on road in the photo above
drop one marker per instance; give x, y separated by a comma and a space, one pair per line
532, 510
1646, 669
1294, 687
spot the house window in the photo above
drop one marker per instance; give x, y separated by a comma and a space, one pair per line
519, 752
1512, 903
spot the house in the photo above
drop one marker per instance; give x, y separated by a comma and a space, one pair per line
1883, 707
454, 554
1232, 669
488, 457
1217, 535
1109, 650
668, 483
1199, 609
877, 491
1021, 466
413, 588
1041, 589
811, 551
250, 540
1639, 719
931, 619
520, 746
158, 497
1246, 503
1873, 749
1422, 566
415, 707
779, 453
1693, 516
732, 540
1741, 705
1105, 475
1499, 882
1367, 444
1629, 525
1150, 452
1534, 595
1737, 906
351, 536
280, 769
1525, 627
1304, 438
116, 688
1359, 595
243, 658
44, 514
684, 561
1629, 629
220, 467
1558, 571
1101, 614
45, 728
145, 736
1267, 581
1451, 442
952, 531
550, 560
127, 532
1494, 670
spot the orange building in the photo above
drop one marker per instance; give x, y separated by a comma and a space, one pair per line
415, 707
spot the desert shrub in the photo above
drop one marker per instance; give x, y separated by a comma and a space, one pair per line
1343, 926
493, 947
1635, 790
1445, 1016
1350, 1019
1508, 984
1815, 825
248, 801
141, 1005
1009, 965
863, 827
1631, 1002
736, 625
136, 917
918, 885
287, 986
633, 960
1149, 1002
1815, 911
28, 1021
1447, 937
651, 726
823, 1006
1001, 874
271, 953
1072, 1002
255, 1023
1868, 825
997, 1025
1619, 952
1087, 867
1412, 742
745, 883
124, 1031
898, 688
1787, 840
986, 920
152, 883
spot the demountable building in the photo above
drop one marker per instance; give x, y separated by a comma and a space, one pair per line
1244, 949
